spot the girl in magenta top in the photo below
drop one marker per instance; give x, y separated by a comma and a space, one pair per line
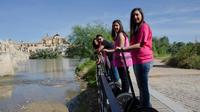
141, 51
118, 60
120, 40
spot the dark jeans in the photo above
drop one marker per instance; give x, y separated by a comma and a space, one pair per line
116, 74
112, 70
141, 73
112, 73
124, 79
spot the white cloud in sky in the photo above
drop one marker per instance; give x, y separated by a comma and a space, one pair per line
173, 10
163, 20
177, 34
197, 21
176, 20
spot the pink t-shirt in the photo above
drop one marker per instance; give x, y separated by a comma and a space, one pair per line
144, 37
117, 58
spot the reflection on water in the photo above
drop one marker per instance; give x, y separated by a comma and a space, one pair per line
5, 91
39, 81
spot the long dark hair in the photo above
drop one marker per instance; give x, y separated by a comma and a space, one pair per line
132, 22
121, 29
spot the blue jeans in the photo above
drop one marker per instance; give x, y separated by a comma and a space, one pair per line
116, 74
141, 73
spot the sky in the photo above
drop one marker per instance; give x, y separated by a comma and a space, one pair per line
31, 20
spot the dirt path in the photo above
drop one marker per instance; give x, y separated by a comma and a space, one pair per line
180, 85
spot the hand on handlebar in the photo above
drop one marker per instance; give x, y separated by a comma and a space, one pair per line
105, 50
118, 49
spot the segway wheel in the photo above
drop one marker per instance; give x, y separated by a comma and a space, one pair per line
116, 88
131, 104
124, 98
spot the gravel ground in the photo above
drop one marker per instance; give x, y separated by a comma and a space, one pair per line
180, 85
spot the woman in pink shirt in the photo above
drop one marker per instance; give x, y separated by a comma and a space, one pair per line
141, 51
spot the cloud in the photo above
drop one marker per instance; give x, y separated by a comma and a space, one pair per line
197, 21
165, 20
174, 10
176, 20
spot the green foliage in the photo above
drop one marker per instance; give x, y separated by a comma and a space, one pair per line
87, 71
82, 37
175, 47
161, 46
185, 55
44, 54
91, 76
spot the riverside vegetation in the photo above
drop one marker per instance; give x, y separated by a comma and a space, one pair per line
87, 99
44, 54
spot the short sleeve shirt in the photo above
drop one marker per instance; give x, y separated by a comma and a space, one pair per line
144, 37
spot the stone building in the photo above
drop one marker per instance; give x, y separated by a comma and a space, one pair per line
47, 42
55, 40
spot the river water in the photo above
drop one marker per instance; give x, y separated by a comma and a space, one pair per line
40, 85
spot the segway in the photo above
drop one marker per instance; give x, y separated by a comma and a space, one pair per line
108, 68
133, 104
104, 67
125, 98
115, 86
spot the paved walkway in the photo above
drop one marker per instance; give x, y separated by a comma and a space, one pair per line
161, 102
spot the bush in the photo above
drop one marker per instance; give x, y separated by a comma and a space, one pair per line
44, 54
187, 56
87, 71
173, 61
82, 37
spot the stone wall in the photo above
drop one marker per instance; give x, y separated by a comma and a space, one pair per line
10, 58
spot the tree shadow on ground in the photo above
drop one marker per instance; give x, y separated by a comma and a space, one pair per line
161, 66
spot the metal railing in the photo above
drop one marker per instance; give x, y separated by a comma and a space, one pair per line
107, 101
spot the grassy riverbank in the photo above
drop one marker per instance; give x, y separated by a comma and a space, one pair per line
87, 71
87, 100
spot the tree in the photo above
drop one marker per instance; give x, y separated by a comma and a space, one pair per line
81, 39
175, 47
185, 55
161, 46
